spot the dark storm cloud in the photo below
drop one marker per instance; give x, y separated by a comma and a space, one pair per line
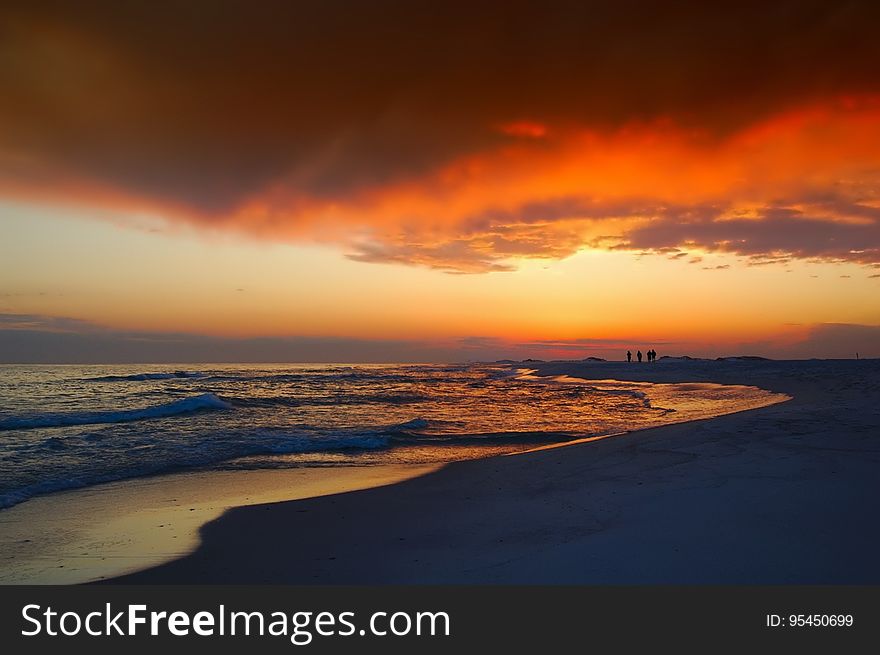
311, 120
204, 104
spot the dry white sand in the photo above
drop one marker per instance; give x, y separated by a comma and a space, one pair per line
783, 494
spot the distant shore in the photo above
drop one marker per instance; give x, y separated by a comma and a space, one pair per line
782, 494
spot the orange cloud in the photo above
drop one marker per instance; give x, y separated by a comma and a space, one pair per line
802, 184
463, 145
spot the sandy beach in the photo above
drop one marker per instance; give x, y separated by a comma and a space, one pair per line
110, 529
778, 495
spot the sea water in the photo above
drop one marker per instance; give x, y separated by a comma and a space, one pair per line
63, 427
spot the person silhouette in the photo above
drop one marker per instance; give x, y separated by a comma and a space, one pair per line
653, 355
629, 356
639, 355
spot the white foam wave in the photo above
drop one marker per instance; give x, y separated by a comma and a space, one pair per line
256, 442
203, 402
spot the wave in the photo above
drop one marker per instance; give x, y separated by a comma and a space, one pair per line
203, 402
414, 424
270, 441
117, 461
142, 377
231, 446
334, 400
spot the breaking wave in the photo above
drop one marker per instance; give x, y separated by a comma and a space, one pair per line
203, 402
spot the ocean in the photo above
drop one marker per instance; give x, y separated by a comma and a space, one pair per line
63, 427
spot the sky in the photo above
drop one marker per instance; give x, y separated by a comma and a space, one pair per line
393, 181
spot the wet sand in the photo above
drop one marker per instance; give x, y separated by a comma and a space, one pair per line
111, 529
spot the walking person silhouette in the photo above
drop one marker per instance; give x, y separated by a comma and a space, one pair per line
639, 355
629, 356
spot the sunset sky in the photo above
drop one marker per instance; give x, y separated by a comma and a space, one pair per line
394, 181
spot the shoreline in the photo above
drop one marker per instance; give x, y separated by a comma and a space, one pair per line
785, 495
148, 521
121, 543
225, 555
115, 528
